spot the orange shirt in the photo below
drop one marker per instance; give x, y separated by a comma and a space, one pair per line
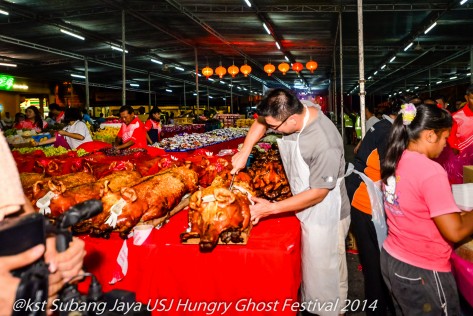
134, 131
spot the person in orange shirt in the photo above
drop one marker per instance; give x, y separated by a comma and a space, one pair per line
153, 126
132, 133
367, 160
461, 135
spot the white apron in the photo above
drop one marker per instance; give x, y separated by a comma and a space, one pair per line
319, 223
378, 217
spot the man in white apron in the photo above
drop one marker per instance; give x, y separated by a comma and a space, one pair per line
313, 158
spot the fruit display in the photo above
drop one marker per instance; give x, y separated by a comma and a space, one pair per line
244, 122
51, 151
107, 134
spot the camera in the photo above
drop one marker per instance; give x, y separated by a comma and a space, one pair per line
22, 233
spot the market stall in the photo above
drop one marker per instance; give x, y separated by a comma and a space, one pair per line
247, 278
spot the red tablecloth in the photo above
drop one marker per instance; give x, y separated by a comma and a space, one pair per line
231, 144
261, 277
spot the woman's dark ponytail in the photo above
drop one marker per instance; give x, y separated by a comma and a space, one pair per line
397, 143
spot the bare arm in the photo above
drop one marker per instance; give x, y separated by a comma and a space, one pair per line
72, 135
455, 227
125, 145
300, 201
257, 130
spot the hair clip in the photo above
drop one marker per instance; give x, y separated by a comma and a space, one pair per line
408, 112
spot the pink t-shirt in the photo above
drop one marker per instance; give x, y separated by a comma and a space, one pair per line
419, 193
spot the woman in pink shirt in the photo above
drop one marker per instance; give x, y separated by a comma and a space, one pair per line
153, 126
423, 219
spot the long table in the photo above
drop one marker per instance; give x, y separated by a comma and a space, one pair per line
261, 277
215, 148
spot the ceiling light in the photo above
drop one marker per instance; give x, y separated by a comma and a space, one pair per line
369, 78
134, 85
118, 48
239, 88
468, 74
78, 76
285, 57
245, 89
430, 27
168, 90
156, 61
408, 90
392, 59
463, 2
179, 68
389, 95
211, 97
416, 88
194, 93
383, 66
230, 85
73, 34
440, 81
266, 28
7, 65
277, 45
454, 77
4, 12
210, 79
374, 73
222, 82
408, 46
248, 3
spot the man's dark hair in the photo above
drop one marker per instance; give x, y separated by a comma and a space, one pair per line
280, 104
72, 115
54, 106
469, 90
370, 107
127, 108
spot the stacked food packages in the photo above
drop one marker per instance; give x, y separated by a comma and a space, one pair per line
244, 122
106, 134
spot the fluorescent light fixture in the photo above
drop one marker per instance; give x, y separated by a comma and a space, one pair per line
239, 88
266, 28
134, 85
156, 61
222, 82
7, 65
395, 93
211, 97
287, 59
463, 2
408, 90
416, 88
374, 73
168, 90
277, 45
454, 77
179, 68
248, 3
194, 93
408, 46
118, 48
389, 95
468, 74
430, 27
224, 98
383, 66
440, 81
78, 76
210, 79
369, 78
230, 85
245, 89
20, 86
73, 34
4, 12
392, 59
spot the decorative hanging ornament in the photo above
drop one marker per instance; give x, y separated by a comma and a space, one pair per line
245, 69
311, 65
207, 72
233, 70
220, 71
269, 69
297, 67
283, 67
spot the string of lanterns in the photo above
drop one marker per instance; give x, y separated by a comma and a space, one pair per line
268, 68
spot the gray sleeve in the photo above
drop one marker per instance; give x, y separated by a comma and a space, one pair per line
324, 169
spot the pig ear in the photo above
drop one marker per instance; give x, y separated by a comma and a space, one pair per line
129, 166
88, 168
224, 195
129, 194
56, 186
105, 186
37, 186
52, 166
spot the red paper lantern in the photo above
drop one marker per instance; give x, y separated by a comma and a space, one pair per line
245, 69
311, 65
283, 67
233, 70
207, 72
297, 67
269, 69
220, 71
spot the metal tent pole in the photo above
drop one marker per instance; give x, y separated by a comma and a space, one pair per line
87, 95
196, 77
123, 60
361, 61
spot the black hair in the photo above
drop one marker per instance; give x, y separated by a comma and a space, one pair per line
84, 111
280, 104
141, 110
38, 121
427, 118
18, 116
72, 115
469, 90
127, 108
152, 112
370, 107
54, 106
441, 97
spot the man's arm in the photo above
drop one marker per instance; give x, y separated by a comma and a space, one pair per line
257, 130
129, 143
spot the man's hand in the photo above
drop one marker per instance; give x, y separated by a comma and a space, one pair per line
261, 209
8, 282
239, 161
